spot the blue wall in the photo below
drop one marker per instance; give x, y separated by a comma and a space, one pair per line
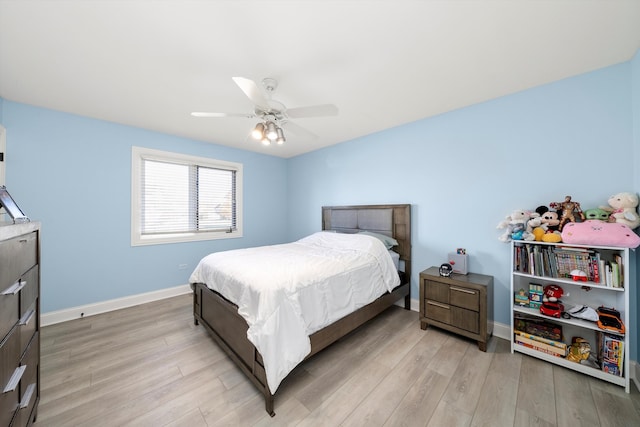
463, 172
74, 175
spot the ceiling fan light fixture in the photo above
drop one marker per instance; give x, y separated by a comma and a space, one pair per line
265, 141
272, 131
281, 139
258, 131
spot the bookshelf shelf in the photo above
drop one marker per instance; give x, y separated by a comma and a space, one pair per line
541, 264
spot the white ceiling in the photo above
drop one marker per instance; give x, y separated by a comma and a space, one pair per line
382, 63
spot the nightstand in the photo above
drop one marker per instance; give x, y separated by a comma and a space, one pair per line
460, 303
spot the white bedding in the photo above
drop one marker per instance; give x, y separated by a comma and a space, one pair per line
287, 292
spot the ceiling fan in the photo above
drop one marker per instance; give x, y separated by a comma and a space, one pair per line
273, 115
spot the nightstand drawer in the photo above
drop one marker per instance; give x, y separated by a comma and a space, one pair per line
437, 291
464, 297
468, 320
438, 311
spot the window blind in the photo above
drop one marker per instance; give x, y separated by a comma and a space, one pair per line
186, 198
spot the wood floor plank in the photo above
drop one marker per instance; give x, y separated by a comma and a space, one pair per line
575, 403
335, 408
467, 381
447, 415
500, 389
536, 393
150, 365
614, 408
419, 404
381, 402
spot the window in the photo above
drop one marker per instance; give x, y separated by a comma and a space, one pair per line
180, 198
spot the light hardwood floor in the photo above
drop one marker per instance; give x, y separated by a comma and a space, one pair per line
150, 366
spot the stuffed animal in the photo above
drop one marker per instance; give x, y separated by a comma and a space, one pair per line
548, 229
579, 350
597, 214
623, 208
594, 232
516, 226
568, 208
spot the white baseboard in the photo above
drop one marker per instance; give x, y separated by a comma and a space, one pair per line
72, 313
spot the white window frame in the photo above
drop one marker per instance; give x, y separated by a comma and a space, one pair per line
138, 154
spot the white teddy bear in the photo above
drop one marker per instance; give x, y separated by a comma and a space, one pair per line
519, 226
623, 209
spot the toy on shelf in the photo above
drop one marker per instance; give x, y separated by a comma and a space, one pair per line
595, 232
598, 214
609, 319
582, 312
568, 209
517, 226
579, 350
521, 298
578, 275
551, 304
547, 231
623, 209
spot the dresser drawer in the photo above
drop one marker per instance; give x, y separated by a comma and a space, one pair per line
9, 387
9, 312
31, 290
27, 325
28, 384
17, 299
464, 297
17, 255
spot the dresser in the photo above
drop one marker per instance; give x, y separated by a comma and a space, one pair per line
460, 303
19, 323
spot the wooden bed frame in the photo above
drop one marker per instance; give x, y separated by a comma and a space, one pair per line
221, 319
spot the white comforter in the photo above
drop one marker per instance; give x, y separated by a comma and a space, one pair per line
287, 292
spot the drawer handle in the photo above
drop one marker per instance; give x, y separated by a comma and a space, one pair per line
438, 304
28, 394
15, 379
26, 318
466, 291
15, 288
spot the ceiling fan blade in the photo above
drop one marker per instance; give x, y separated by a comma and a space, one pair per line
313, 111
299, 130
253, 92
206, 114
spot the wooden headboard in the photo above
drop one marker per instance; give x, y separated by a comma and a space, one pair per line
390, 220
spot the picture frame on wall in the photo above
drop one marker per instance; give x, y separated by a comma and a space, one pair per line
11, 207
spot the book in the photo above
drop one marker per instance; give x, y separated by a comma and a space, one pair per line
610, 353
538, 327
539, 346
547, 341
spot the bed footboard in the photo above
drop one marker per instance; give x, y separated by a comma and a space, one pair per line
229, 330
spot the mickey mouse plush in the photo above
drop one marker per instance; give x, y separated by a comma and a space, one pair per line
548, 230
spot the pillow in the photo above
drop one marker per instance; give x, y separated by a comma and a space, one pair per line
594, 232
388, 241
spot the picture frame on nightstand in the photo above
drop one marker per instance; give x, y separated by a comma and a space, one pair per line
11, 207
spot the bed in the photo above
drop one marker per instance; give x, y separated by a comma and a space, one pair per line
222, 309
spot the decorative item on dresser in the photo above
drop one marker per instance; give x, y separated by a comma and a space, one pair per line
458, 303
230, 329
19, 323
